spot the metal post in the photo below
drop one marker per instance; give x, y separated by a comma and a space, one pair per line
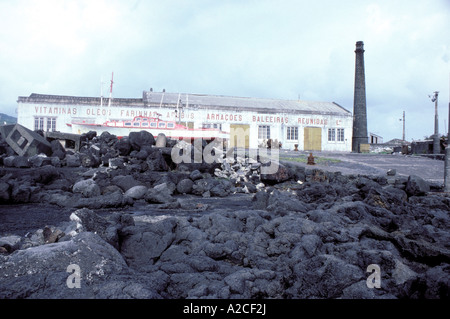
447, 153
447, 170
110, 95
403, 126
436, 143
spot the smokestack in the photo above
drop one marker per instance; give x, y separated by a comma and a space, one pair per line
359, 102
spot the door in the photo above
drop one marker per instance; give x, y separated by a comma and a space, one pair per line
239, 135
313, 138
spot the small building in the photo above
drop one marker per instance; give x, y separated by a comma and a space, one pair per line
250, 122
375, 139
425, 147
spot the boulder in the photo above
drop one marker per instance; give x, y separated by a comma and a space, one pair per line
274, 172
203, 185
169, 181
88, 188
45, 175
161, 140
136, 192
21, 193
156, 162
59, 154
416, 186
73, 160
195, 175
108, 138
8, 161
185, 186
57, 149
325, 276
260, 200
52, 235
89, 160
24, 271
142, 246
125, 182
140, 155
433, 284
123, 146
21, 162
55, 161
87, 220
59, 184
278, 202
297, 172
11, 243
221, 189
39, 160
115, 162
160, 194
88, 136
391, 172
109, 200
109, 189
5, 192
141, 139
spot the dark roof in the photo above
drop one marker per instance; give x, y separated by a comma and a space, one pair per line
77, 100
197, 101
239, 103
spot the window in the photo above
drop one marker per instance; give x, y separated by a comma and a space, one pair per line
161, 124
292, 133
127, 123
212, 125
331, 135
38, 123
264, 132
51, 124
152, 124
170, 125
340, 135
136, 124
145, 124
336, 135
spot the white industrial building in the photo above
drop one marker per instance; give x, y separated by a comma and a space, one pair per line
324, 126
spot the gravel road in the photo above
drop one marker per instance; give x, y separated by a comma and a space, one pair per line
375, 164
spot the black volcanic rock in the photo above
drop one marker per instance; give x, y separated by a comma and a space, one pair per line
140, 139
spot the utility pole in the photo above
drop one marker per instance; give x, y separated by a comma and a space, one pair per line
447, 153
448, 133
403, 136
101, 92
436, 143
404, 123
110, 94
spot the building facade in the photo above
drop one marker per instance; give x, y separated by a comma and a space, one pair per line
251, 122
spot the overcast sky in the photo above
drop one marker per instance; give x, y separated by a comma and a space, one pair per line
271, 49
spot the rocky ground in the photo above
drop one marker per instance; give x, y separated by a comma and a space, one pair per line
139, 225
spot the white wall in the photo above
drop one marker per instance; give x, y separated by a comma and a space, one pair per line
278, 122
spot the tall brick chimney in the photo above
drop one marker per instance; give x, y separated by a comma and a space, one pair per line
360, 135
